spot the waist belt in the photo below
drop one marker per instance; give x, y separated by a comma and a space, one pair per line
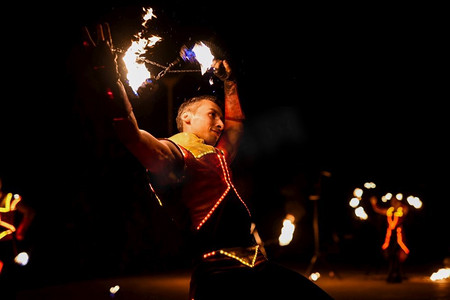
250, 256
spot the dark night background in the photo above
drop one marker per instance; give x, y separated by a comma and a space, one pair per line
358, 91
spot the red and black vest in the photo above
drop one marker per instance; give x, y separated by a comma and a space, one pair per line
219, 217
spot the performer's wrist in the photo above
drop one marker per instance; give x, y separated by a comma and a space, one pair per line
118, 105
121, 118
230, 82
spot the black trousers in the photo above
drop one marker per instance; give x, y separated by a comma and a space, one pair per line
8, 275
224, 280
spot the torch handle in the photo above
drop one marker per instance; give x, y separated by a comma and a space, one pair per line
163, 72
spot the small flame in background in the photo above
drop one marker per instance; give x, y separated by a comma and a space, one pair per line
314, 276
113, 290
22, 259
441, 274
137, 73
287, 231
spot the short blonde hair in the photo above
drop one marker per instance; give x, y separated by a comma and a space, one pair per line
189, 105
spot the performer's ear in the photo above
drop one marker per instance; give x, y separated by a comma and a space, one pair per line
186, 117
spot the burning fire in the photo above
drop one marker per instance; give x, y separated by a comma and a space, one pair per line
441, 274
361, 213
287, 231
314, 276
113, 290
203, 56
137, 73
22, 258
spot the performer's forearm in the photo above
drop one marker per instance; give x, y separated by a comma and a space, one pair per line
118, 104
233, 109
121, 113
127, 129
234, 117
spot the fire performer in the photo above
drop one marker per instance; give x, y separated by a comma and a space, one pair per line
394, 247
192, 169
15, 220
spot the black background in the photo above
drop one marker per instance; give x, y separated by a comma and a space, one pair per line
355, 90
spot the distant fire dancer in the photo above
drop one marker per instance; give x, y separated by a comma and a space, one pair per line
15, 219
394, 247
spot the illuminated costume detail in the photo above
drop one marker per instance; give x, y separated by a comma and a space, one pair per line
246, 260
227, 178
193, 144
393, 224
6, 219
200, 155
157, 198
208, 182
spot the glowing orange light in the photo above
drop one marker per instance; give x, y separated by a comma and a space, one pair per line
400, 240
392, 224
357, 192
287, 231
442, 273
314, 276
354, 202
414, 201
113, 290
22, 258
370, 185
8, 206
361, 213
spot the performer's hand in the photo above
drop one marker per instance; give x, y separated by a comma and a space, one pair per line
222, 70
102, 58
96, 71
373, 200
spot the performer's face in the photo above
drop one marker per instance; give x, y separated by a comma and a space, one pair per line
205, 121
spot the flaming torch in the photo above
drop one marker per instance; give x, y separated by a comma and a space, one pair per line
200, 53
137, 73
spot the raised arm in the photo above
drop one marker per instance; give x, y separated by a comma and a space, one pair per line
234, 115
375, 207
157, 156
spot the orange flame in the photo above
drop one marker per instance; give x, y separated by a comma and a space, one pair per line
203, 56
287, 231
137, 73
441, 274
